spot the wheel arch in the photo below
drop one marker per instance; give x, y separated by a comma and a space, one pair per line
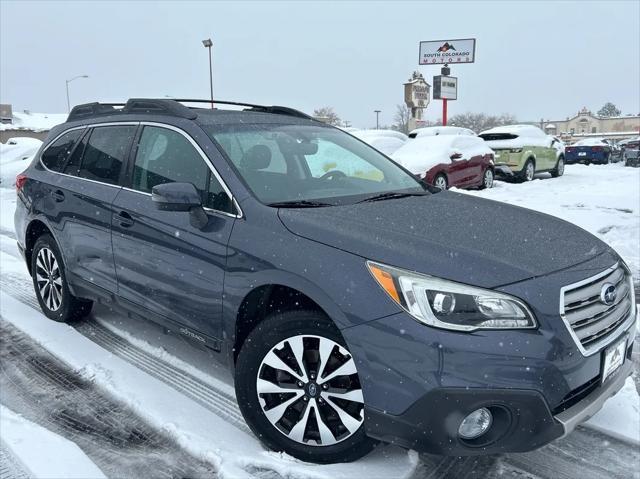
35, 229
281, 294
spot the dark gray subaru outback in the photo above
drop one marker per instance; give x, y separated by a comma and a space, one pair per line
353, 303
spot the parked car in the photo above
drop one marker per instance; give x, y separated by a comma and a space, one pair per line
521, 151
616, 151
587, 151
351, 305
449, 160
631, 151
440, 130
385, 141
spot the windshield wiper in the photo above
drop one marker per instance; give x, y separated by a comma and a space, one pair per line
389, 195
299, 204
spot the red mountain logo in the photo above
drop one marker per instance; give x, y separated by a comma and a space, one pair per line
446, 47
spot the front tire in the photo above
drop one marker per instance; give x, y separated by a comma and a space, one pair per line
50, 283
559, 169
440, 181
487, 179
299, 390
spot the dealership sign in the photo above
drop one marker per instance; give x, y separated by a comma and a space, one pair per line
447, 51
445, 88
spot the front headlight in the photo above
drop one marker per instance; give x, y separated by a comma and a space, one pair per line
449, 305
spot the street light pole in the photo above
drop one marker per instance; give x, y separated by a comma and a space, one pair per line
377, 112
69, 81
208, 44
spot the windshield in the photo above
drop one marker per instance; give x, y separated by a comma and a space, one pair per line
304, 163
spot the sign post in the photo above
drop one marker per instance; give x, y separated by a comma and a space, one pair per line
446, 52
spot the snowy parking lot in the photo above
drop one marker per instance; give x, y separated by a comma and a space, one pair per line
120, 396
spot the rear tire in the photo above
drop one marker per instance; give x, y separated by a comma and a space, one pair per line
440, 181
50, 283
528, 171
295, 342
559, 169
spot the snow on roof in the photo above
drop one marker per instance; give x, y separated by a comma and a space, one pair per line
590, 142
520, 130
550, 125
364, 134
440, 130
34, 121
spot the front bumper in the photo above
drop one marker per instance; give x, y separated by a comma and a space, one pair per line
504, 171
522, 419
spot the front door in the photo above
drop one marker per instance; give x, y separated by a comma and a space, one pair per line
163, 263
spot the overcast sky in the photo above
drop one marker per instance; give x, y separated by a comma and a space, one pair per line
534, 59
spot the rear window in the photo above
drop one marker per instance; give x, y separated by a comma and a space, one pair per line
56, 154
105, 152
498, 136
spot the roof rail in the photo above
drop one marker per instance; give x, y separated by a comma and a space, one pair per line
169, 106
275, 109
134, 105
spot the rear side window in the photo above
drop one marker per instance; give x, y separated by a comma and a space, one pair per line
55, 156
105, 152
166, 156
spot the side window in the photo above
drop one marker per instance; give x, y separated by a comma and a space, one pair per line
236, 146
105, 152
73, 163
330, 155
166, 156
56, 154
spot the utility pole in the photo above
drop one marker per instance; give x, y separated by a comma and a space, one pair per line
208, 44
377, 112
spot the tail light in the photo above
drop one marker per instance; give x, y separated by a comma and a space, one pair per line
569, 148
21, 179
596, 148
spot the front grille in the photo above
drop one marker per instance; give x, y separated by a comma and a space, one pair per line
591, 321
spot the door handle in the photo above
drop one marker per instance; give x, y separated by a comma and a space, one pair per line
58, 196
124, 219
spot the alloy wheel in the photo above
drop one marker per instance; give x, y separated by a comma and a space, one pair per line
309, 390
488, 179
530, 171
49, 279
441, 182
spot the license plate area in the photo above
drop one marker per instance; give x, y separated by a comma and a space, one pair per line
582, 153
613, 358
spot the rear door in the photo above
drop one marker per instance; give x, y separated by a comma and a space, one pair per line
164, 264
80, 199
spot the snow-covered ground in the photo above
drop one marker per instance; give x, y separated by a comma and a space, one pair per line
15, 156
203, 417
36, 452
34, 121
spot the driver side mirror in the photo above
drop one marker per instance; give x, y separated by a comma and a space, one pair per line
181, 197
455, 156
175, 196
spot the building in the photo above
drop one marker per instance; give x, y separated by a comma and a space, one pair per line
585, 124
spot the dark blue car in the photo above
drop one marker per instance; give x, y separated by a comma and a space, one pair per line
353, 303
588, 151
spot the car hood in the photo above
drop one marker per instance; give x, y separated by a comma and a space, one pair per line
450, 235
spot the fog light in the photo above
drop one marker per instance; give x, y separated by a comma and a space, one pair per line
475, 424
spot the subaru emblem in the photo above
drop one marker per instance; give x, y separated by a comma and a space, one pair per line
608, 293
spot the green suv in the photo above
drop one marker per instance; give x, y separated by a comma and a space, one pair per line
521, 151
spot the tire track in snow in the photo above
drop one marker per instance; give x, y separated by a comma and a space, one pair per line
43, 389
215, 400
9, 466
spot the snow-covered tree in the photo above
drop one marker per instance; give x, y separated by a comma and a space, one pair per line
608, 110
328, 115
